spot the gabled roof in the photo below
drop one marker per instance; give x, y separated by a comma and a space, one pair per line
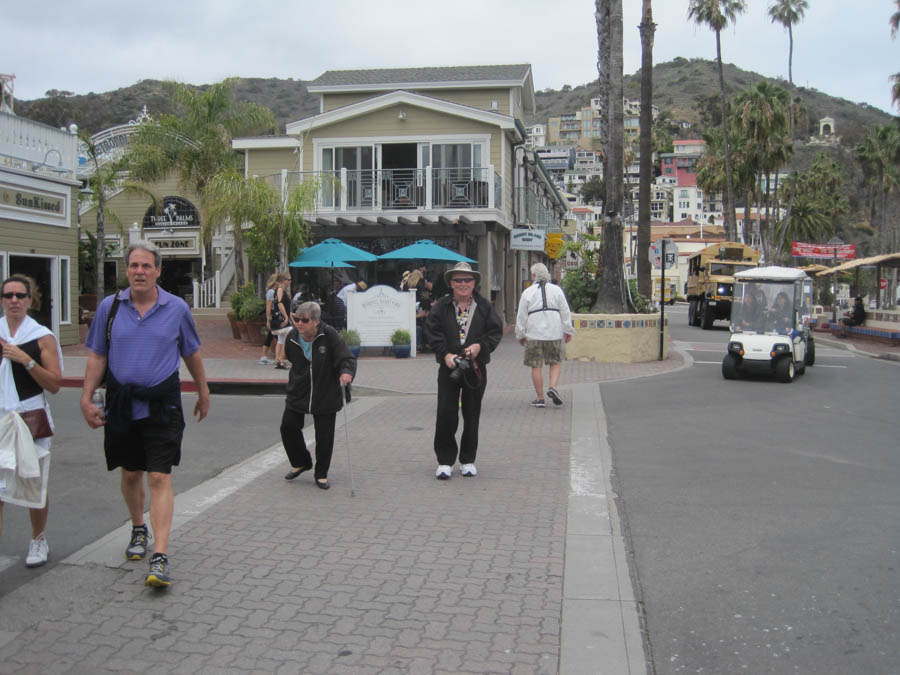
408, 98
454, 77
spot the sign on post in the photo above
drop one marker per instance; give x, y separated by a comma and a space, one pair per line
656, 252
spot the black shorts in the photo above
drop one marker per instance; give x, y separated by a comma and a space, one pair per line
849, 322
146, 446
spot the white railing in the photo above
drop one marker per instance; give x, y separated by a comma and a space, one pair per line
30, 145
209, 293
402, 189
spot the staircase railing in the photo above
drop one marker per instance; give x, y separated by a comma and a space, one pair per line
209, 293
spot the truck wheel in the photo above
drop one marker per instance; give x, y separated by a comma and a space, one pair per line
706, 317
784, 369
811, 351
729, 367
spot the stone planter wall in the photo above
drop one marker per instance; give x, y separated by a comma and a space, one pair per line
616, 338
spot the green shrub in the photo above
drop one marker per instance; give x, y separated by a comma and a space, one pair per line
400, 337
581, 290
350, 336
241, 295
252, 308
639, 302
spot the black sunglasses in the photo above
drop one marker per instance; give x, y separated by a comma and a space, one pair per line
11, 295
302, 319
463, 280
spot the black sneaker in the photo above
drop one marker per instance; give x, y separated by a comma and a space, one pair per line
158, 576
538, 403
554, 396
137, 547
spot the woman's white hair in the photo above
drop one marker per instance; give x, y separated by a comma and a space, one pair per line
539, 272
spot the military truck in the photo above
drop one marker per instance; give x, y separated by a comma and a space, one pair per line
711, 281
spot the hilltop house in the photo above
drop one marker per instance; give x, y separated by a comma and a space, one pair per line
412, 153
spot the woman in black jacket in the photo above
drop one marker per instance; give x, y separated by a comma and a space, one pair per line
320, 363
461, 325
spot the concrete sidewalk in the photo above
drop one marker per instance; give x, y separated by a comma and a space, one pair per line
522, 569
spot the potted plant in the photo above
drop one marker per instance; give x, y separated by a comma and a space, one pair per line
400, 339
351, 338
253, 313
237, 298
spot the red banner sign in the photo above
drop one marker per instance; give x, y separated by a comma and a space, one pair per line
823, 251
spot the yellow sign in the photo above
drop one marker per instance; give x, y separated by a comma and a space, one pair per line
554, 244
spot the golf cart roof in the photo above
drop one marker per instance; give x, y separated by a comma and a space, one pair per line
773, 273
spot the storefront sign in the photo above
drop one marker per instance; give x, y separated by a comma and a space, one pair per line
188, 244
823, 251
175, 212
554, 244
35, 201
526, 239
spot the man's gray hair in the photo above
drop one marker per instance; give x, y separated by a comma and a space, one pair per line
144, 246
539, 272
309, 309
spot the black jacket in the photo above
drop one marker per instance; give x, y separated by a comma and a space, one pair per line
315, 387
442, 331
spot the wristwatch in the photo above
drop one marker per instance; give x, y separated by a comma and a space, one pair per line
31, 364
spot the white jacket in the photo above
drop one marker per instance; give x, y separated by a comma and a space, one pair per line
535, 322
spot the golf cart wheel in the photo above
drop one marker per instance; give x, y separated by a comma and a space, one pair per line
729, 367
811, 352
706, 317
784, 369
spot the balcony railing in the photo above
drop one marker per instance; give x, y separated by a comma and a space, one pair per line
530, 211
402, 189
32, 146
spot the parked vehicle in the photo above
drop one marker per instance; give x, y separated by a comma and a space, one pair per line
770, 331
711, 280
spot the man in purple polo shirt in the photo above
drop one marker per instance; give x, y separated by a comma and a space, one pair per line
143, 420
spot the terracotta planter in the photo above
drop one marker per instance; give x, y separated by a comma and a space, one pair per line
256, 331
242, 328
235, 331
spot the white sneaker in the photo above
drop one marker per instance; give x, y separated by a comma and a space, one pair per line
468, 470
443, 472
37, 552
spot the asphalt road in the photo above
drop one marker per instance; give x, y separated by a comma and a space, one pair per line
85, 501
764, 518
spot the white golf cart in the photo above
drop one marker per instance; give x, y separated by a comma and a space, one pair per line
770, 324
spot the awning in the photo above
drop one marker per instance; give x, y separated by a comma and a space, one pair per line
883, 260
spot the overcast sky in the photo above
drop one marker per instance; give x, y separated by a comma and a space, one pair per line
840, 48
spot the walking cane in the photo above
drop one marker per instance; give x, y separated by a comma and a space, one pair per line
346, 388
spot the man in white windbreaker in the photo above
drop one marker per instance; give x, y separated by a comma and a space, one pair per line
542, 323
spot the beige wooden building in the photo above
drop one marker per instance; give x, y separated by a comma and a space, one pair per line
421, 153
39, 216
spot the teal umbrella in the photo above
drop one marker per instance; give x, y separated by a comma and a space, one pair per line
330, 253
425, 249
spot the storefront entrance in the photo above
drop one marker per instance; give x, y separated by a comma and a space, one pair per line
178, 274
39, 269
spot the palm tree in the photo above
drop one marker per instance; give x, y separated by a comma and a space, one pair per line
266, 206
105, 178
878, 153
788, 13
196, 143
716, 14
895, 78
647, 29
608, 13
762, 117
